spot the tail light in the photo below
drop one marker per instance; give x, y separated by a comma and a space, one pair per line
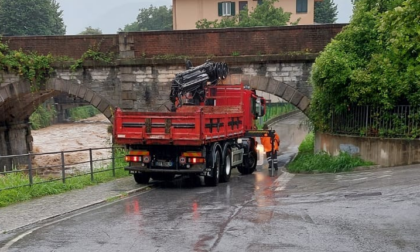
196, 160
132, 158
138, 156
191, 154
192, 160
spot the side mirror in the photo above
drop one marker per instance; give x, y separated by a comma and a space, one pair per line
259, 107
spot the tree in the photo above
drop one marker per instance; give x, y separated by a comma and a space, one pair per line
133, 27
152, 18
91, 31
56, 19
28, 17
265, 14
373, 61
325, 12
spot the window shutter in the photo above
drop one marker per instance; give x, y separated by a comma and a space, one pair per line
232, 8
220, 8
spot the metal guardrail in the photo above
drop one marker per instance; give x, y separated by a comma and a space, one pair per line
401, 121
274, 110
58, 168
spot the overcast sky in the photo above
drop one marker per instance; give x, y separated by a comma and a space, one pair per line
110, 15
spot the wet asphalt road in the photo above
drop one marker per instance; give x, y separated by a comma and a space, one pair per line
363, 211
376, 210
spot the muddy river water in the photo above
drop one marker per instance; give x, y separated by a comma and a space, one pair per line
90, 133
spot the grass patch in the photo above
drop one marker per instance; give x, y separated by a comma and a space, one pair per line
308, 162
83, 112
43, 186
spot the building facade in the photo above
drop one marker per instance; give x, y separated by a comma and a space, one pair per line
187, 12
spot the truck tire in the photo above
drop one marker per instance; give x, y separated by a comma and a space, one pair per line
213, 180
249, 164
142, 178
226, 169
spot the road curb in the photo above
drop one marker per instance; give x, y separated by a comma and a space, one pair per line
365, 168
94, 203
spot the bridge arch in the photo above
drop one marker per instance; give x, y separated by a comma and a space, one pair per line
84, 93
18, 101
275, 87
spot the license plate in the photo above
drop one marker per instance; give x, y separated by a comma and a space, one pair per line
163, 164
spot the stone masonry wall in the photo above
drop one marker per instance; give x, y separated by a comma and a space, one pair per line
147, 88
295, 75
103, 81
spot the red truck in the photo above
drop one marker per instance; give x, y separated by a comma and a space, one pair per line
209, 130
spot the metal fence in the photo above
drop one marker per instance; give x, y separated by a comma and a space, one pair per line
60, 166
401, 121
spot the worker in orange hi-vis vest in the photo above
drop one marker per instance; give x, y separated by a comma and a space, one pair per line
266, 142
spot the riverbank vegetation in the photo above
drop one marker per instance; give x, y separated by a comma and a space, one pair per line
45, 114
83, 112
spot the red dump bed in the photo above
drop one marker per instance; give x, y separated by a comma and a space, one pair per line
190, 125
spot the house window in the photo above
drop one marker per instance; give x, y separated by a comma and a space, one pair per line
242, 5
301, 6
226, 9
260, 2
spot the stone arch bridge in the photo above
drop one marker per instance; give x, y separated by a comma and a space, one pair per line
273, 60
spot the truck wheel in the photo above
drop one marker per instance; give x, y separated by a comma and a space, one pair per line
213, 180
249, 165
226, 169
252, 161
142, 178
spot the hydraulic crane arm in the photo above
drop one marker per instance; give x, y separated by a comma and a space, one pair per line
194, 80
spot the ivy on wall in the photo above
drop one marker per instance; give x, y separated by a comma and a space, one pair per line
31, 66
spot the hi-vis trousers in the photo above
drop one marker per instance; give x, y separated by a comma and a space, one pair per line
275, 161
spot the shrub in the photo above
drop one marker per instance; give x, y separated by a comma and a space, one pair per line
42, 117
306, 161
